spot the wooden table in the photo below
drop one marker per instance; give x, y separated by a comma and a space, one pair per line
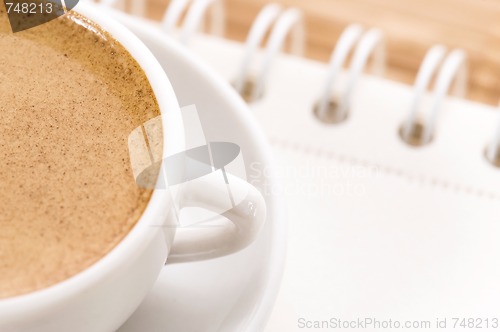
411, 27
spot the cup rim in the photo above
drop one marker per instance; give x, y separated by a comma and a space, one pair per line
142, 233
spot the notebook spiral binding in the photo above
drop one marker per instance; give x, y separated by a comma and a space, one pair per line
447, 70
194, 18
416, 130
279, 24
195, 13
492, 151
334, 109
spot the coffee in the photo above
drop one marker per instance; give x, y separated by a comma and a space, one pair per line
69, 97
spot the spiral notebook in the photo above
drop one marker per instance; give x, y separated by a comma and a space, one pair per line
393, 190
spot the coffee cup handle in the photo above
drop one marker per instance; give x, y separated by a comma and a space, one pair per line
246, 218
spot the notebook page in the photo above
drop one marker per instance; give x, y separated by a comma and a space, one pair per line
377, 229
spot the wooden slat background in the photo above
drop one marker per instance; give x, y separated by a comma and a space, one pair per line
411, 27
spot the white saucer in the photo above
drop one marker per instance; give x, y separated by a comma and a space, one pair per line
234, 293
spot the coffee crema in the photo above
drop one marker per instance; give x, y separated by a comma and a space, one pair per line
69, 97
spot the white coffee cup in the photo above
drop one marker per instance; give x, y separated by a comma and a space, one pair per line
103, 296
